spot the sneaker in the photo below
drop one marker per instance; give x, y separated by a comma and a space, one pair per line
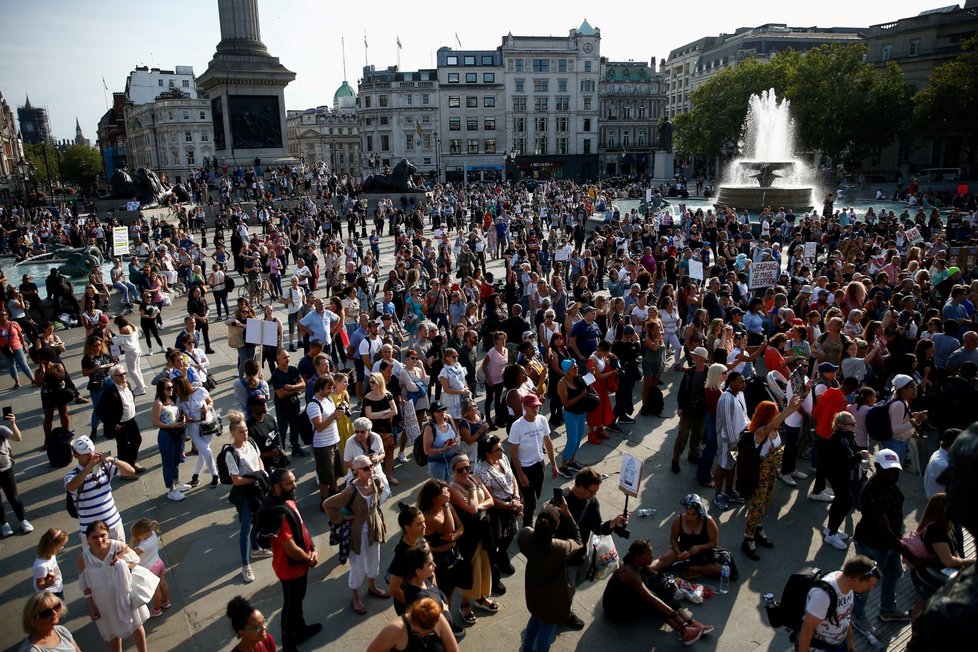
155, 613
822, 497
182, 487
215, 481
798, 475
691, 634
734, 497
788, 480
614, 427
841, 533
298, 451
626, 419
835, 541
260, 553
720, 502
894, 616
402, 458
175, 496
247, 574
574, 465
6, 530
194, 480
166, 605
565, 472
574, 622
25, 526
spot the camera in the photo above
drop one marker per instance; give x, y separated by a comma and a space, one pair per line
623, 532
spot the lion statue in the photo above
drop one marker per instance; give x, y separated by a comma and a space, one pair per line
149, 188
399, 180
122, 185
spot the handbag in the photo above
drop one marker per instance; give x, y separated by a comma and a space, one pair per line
212, 428
590, 402
447, 559
236, 337
604, 557
142, 585
209, 384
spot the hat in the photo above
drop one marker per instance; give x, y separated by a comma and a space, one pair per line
888, 459
83, 445
701, 352
900, 381
953, 270
806, 289
379, 321
827, 368
436, 406
797, 321
532, 399
566, 364
694, 500
528, 334
587, 309
823, 292
628, 330
257, 399
736, 311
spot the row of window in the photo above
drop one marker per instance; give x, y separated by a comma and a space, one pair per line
473, 78
544, 65
541, 124
913, 49
469, 60
543, 104
541, 146
611, 139
186, 115
382, 100
185, 83
472, 146
471, 101
471, 124
410, 141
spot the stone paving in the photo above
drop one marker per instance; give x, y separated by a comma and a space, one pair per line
201, 552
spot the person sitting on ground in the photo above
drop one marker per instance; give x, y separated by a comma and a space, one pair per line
693, 542
638, 590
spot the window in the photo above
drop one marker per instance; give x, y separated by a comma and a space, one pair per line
489, 145
643, 112
540, 104
384, 120
488, 78
186, 115
455, 146
562, 124
385, 143
454, 102
626, 112
519, 104
519, 124
409, 99
886, 52
188, 137
587, 103
489, 124
541, 65
368, 121
587, 66
453, 78
540, 86
472, 124
519, 85
563, 104
561, 65
455, 124
587, 146
587, 85
366, 102
473, 146
609, 138
561, 85
519, 144
425, 98
562, 145
203, 115
469, 60
382, 100
471, 102
409, 142
518, 63
625, 139
161, 82
540, 145
370, 143
642, 138
489, 101
540, 124
190, 157
471, 77
427, 160
426, 141
451, 61
203, 137
914, 47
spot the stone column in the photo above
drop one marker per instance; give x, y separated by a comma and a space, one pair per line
239, 24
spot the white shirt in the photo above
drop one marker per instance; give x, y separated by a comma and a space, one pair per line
935, 467
529, 436
128, 404
831, 630
322, 408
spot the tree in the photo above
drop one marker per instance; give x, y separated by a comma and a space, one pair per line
45, 160
80, 166
949, 103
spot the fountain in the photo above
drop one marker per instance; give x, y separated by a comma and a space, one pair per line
768, 174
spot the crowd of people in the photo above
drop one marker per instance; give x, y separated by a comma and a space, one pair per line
587, 314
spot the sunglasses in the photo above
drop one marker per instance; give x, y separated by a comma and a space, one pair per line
47, 613
363, 468
873, 572
463, 469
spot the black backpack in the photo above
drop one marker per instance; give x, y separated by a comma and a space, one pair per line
228, 282
789, 612
878, 425
222, 463
70, 505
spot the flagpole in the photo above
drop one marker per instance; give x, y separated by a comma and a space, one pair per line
366, 61
397, 48
105, 91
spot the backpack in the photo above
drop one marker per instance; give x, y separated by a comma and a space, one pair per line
418, 451
789, 612
70, 505
228, 282
656, 403
878, 425
222, 463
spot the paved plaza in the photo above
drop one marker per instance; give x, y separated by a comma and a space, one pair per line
200, 538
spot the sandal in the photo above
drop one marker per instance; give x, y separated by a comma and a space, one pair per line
467, 615
487, 605
361, 610
377, 593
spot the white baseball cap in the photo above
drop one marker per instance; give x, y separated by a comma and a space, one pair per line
888, 459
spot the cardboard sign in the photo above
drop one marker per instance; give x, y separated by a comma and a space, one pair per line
696, 270
261, 332
120, 241
810, 250
764, 274
630, 478
913, 235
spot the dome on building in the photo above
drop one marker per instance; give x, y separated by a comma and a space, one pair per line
344, 98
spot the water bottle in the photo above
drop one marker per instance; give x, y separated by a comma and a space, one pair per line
725, 579
647, 511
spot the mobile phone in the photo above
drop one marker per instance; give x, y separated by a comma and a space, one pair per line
7, 411
558, 496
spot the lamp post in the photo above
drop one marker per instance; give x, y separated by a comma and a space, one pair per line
511, 170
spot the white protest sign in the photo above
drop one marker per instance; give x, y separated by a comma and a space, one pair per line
631, 475
648, 195
913, 235
696, 270
261, 331
120, 241
810, 250
764, 274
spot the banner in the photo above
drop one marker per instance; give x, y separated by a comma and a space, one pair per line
120, 241
630, 478
810, 250
764, 274
696, 270
913, 235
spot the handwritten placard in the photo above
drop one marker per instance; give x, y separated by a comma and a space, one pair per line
764, 274
630, 478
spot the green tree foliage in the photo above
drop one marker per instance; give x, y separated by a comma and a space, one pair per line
42, 166
80, 166
949, 104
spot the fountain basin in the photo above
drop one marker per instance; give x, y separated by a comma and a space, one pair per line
756, 198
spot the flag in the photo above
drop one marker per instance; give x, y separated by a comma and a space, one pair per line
106, 86
457, 40
398, 42
417, 128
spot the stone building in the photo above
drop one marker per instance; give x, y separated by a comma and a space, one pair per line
111, 138
144, 84
330, 136
80, 137
552, 107
171, 134
632, 100
472, 102
34, 125
11, 152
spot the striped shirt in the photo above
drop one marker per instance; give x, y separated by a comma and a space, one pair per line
94, 499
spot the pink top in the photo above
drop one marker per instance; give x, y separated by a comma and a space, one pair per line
497, 362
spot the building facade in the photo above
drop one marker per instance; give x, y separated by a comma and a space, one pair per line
632, 100
320, 134
171, 134
34, 125
111, 138
398, 118
11, 152
80, 137
472, 103
552, 107
144, 84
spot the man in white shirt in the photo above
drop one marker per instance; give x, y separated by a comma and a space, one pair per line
529, 436
938, 463
732, 419
821, 630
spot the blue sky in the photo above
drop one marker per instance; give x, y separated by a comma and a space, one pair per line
58, 51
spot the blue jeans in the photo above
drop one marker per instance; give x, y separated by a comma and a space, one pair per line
575, 432
170, 448
539, 635
438, 470
247, 535
128, 291
897, 446
704, 472
96, 396
891, 568
18, 359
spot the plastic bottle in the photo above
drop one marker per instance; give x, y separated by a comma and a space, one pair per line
725, 579
648, 511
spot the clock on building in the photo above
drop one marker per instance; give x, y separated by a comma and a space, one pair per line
588, 48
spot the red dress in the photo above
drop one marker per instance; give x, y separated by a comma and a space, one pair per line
603, 415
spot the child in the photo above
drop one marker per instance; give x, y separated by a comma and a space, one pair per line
47, 573
849, 387
146, 543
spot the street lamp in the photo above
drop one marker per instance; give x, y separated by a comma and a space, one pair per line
511, 168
